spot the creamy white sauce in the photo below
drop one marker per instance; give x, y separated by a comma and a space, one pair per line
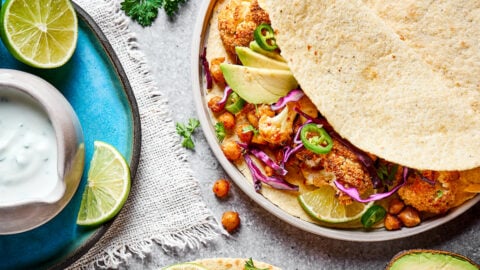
28, 151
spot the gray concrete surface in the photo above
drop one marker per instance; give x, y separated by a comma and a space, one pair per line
167, 45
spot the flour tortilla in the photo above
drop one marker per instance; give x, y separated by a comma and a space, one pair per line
445, 33
231, 264
374, 89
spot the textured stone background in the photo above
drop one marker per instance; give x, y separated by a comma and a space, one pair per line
167, 45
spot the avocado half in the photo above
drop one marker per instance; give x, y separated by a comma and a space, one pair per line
423, 259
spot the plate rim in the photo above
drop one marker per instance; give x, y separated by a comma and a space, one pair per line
84, 247
198, 44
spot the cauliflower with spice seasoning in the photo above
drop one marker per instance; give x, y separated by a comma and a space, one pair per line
435, 198
278, 129
237, 22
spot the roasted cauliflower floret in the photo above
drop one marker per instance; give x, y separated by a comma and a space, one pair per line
435, 198
340, 164
237, 21
278, 129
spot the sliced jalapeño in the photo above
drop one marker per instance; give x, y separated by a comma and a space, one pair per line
265, 38
316, 139
373, 215
234, 103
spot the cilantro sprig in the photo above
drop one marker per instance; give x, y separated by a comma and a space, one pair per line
387, 172
146, 11
186, 132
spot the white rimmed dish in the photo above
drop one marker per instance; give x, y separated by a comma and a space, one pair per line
29, 212
199, 92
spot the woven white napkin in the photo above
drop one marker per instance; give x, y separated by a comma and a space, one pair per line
165, 206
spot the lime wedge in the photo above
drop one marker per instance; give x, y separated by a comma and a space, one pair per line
107, 187
185, 266
322, 204
39, 33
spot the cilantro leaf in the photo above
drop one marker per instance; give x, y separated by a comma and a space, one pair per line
142, 11
186, 132
146, 11
171, 6
249, 266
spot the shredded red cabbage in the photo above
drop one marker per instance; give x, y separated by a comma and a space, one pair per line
224, 99
289, 151
265, 158
268, 161
294, 95
353, 192
362, 156
206, 68
273, 181
296, 138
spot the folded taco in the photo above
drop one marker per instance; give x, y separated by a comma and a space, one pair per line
334, 109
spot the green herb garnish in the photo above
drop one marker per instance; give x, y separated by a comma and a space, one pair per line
249, 265
250, 128
171, 6
387, 172
146, 11
220, 131
186, 132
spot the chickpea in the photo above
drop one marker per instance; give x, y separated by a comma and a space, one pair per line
213, 104
231, 150
395, 206
230, 221
244, 134
409, 217
227, 119
221, 188
392, 222
216, 71
268, 171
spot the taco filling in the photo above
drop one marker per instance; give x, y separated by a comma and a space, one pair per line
334, 118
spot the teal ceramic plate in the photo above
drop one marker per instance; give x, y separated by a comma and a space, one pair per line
94, 82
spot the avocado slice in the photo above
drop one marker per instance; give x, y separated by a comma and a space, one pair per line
258, 85
274, 55
250, 58
421, 259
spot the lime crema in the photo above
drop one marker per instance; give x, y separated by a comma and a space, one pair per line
28, 151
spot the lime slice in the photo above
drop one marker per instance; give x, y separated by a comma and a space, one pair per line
322, 204
107, 187
185, 266
39, 33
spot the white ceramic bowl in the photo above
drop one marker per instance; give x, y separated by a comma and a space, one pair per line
199, 92
26, 214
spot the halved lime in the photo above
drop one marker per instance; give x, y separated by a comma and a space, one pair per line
185, 266
39, 33
107, 187
323, 205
